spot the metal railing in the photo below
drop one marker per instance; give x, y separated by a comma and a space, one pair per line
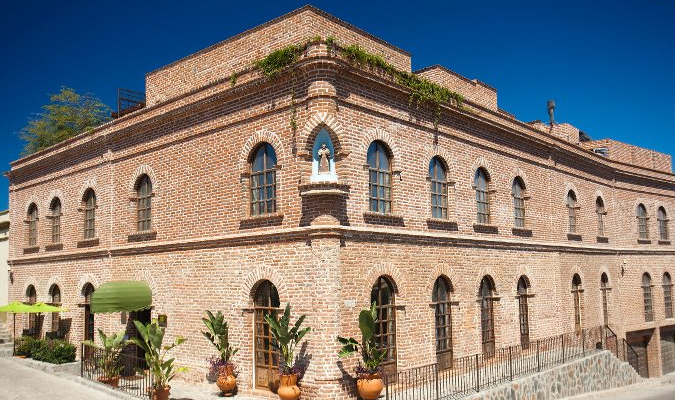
133, 377
478, 372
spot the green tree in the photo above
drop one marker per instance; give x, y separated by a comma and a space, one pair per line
68, 114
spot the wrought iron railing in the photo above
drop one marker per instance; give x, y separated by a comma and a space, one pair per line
132, 376
478, 372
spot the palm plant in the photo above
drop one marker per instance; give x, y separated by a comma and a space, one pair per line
286, 337
112, 347
217, 334
371, 355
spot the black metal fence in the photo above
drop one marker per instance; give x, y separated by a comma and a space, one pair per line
131, 375
478, 372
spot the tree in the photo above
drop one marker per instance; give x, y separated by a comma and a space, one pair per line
68, 114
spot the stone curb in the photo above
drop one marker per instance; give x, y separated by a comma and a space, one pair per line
668, 379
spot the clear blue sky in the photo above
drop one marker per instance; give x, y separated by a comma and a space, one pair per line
610, 65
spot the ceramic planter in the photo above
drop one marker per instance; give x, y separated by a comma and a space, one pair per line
112, 381
288, 388
369, 386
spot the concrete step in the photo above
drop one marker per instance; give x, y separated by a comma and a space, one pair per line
6, 352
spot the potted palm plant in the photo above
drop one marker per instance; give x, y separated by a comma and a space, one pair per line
369, 382
286, 337
108, 361
218, 335
161, 368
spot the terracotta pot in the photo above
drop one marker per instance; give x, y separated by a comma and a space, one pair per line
226, 383
369, 386
20, 356
161, 393
288, 388
113, 381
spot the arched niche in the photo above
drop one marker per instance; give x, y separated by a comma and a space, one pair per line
323, 172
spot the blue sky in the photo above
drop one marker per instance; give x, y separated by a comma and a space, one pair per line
610, 65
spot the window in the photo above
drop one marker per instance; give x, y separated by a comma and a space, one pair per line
31, 298
523, 312
382, 295
89, 214
643, 233
56, 220
87, 292
439, 188
647, 295
604, 287
668, 295
481, 183
144, 203
663, 224
55, 300
518, 193
443, 322
264, 180
572, 211
576, 298
266, 357
487, 322
600, 211
379, 178
32, 225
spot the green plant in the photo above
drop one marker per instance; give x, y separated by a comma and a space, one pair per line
371, 356
54, 351
24, 346
233, 79
112, 347
330, 41
161, 368
218, 335
278, 60
286, 337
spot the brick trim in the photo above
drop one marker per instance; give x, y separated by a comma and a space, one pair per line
251, 282
314, 125
260, 136
389, 270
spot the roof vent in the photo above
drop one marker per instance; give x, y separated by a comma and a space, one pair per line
603, 151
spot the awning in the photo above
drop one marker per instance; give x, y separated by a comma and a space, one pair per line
121, 296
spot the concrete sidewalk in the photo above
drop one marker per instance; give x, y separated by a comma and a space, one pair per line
653, 389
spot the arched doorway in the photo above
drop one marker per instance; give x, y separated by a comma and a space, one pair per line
443, 322
266, 302
382, 295
87, 291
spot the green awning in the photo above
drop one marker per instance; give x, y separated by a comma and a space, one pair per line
121, 296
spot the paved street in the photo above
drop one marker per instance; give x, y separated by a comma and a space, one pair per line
651, 389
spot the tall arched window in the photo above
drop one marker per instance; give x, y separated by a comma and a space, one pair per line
55, 300
266, 357
663, 224
600, 211
439, 188
379, 178
487, 321
576, 298
144, 204
31, 298
481, 182
523, 312
643, 232
55, 209
604, 287
382, 295
89, 214
518, 193
87, 292
668, 295
647, 295
32, 219
264, 180
443, 322
572, 211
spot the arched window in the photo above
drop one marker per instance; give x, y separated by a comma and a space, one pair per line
55, 300
89, 214
443, 322
31, 298
55, 209
647, 295
643, 232
481, 182
572, 211
264, 180
382, 295
523, 312
266, 302
604, 287
32, 219
518, 193
379, 178
439, 188
576, 298
487, 321
668, 295
663, 224
144, 204
600, 211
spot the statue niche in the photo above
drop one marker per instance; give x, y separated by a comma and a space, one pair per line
323, 160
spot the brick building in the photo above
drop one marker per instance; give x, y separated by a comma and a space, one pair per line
221, 195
